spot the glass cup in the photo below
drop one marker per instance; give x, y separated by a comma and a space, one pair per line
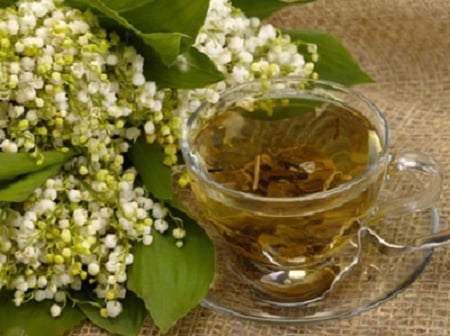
287, 171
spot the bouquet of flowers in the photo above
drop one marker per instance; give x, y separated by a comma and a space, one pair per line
93, 97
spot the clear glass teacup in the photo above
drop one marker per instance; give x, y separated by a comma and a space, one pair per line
287, 171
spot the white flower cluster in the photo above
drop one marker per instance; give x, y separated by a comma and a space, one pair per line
65, 234
243, 49
62, 79
63, 84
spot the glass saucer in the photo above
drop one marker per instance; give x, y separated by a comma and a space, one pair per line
376, 279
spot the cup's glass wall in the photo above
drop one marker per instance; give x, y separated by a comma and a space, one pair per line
286, 170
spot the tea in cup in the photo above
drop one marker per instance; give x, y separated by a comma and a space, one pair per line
287, 171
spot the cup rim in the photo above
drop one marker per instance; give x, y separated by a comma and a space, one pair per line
204, 176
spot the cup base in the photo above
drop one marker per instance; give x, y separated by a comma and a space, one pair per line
294, 286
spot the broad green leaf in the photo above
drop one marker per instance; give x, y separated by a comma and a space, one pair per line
15, 164
156, 22
165, 44
121, 5
20, 189
173, 280
6, 3
335, 61
168, 47
161, 16
192, 69
34, 319
148, 160
264, 8
128, 323
160, 34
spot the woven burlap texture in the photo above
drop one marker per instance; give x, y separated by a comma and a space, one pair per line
405, 46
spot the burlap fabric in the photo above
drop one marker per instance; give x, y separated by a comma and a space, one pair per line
405, 46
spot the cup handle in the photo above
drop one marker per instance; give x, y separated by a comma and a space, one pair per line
432, 172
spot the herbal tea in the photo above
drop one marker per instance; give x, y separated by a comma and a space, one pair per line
287, 171
286, 151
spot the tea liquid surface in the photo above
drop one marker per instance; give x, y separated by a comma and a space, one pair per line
315, 151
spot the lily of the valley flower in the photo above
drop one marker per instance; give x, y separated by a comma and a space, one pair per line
65, 83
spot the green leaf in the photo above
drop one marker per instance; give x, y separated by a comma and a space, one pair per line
173, 280
335, 61
20, 189
168, 47
15, 164
128, 323
156, 22
148, 160
161, 34
264, 8
123, 5
6, 3
193, 69
33, 318
161, 16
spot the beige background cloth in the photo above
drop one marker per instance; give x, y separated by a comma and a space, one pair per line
405, 46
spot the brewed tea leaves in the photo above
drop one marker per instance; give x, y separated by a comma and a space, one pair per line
286, 172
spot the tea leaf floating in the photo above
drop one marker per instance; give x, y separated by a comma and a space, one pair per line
287, 172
